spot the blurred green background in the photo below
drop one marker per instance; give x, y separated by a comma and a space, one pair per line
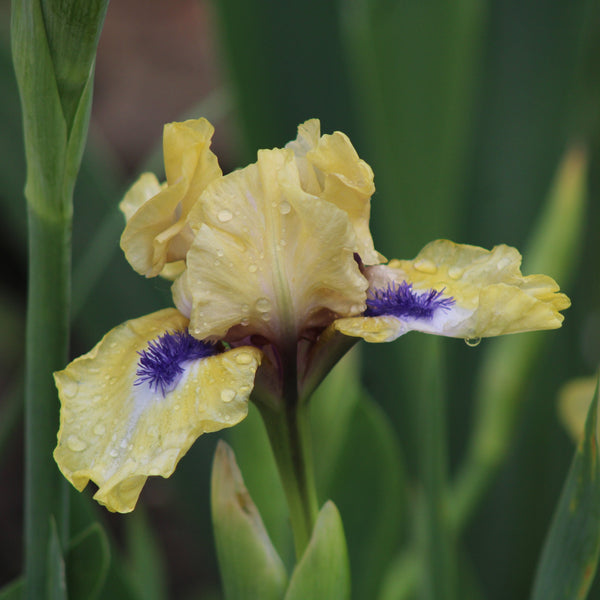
464, 111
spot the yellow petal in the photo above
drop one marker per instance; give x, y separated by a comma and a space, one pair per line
491, 296
372, 329
574, 402
267, 256
156, 231
139, 193
117, 433
338, 176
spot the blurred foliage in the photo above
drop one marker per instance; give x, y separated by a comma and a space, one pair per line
464, 111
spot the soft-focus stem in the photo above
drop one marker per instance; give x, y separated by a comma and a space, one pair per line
432, 523
47, 348
288, 429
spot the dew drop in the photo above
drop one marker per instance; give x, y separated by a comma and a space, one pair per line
455, 272
252, 268
245, 322
100, 429
219, 252
224, 216
245, 308
284, 207
114, 453
75, 444
227, 395
243, 358
263, 305
472, 342
425, 266
70, 388
153, 431
123, 444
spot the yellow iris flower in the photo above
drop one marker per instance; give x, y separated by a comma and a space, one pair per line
274, 266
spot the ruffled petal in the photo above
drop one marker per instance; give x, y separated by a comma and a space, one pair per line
267, 256
156, 231
482, 293
117, 433
331, 169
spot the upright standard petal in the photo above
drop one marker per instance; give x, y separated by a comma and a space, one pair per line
458, 291
268, 258
331, 169
156, 232
126, 415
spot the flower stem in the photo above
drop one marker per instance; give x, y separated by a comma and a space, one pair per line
289, 434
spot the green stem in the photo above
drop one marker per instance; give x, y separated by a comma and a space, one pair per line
47, 348
432, 523
288, 430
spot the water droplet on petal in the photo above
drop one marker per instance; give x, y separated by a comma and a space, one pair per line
70, 388
245, 322
252, 268
219, 252
472, 342
455, 272
263, 305
245, 308
243, 358
284, 207
75, 444
227, 395
425, 266
114, 453
224, 216
100, 429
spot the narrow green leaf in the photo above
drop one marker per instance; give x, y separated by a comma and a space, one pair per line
250, 566
439, 553
73, 29
88, 559
360, 468
369, 488
147, 569
570, 555
508, 361
14, 590
56, 580
323, 571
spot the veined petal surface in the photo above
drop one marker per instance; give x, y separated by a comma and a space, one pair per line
156, 232
117, 433
490, 295
331, 169
267, 256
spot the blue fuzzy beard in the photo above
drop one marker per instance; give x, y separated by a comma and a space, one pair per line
160, 364
400, 300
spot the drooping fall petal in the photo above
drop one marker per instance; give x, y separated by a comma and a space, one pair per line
482, 293
117, 430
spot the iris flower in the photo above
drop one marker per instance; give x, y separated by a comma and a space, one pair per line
275, 276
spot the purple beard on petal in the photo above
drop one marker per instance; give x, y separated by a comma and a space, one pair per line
400, 300
160, 364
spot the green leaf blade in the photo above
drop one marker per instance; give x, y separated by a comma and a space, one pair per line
570, 555
324, 570
88, 560
250, 566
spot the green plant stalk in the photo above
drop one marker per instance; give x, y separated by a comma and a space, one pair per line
431, 515
287, 426
47, 348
